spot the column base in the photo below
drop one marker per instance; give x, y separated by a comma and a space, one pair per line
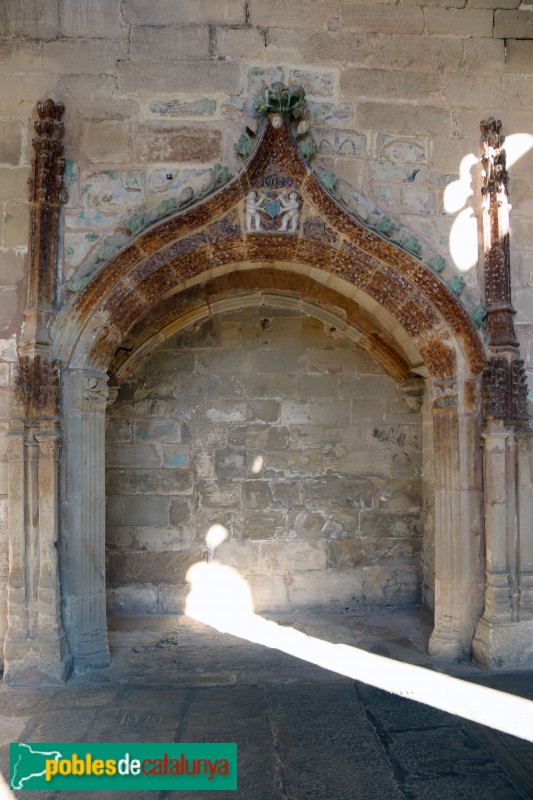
448, 645
34, 662
503, 645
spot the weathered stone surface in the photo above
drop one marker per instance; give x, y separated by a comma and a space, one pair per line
338, 493
402, 119
394, 584
464, 22
215, 494
196, 76
36, 19
259, 525
137, 510
92, 18
14, 183
75, 56
149, 567
387, 525
16, 224
384, 84
282, 557
307, 524
314, 14
10, 142
266, 437
341, 586
513, 24
168, 12
169, 44
479, 52
423, 54
239, 42
149, 481
345, 553
519, 56
370, 17
178, 144
107, 141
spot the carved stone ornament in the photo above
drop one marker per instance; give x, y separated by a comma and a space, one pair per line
413, 392
37, 387
95, 389
276, 211
445, 394
505, 391
47, 192
495, 176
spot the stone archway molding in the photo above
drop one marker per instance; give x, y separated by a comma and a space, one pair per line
251, 224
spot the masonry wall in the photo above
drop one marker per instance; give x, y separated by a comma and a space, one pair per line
287, 435
158, 92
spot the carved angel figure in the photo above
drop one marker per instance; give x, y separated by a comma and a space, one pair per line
291, 212
254, 203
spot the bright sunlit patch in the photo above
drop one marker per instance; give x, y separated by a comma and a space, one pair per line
517, 145
215, 536
257, 465
464, 240
221, 598
457, 193
5, 793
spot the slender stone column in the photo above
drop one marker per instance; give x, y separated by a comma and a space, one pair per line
504, 635
524, 461
35, 648
84, 494
458, 594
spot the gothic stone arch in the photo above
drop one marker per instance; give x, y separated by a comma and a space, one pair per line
405, 315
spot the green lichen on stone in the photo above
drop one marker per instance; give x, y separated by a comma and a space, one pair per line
307, 148
329, 180
244, 146
437, 263
385, 225
281, 99
412, 244
478, 315
456, 285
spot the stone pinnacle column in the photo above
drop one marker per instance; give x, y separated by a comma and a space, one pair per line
504, 635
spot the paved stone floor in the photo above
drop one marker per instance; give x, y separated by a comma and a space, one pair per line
303, 733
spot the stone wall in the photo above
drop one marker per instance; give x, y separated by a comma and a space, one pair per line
158, 92
289, 436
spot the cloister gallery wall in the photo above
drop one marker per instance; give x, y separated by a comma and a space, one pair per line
160, 119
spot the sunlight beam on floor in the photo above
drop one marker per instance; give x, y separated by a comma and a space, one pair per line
221, 598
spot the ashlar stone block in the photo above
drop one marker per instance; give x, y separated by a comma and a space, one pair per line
338, 493
267, 437
92, 18
184, 144
282, 557
10, 142
181, 12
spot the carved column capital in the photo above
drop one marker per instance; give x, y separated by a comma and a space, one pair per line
95, 390
412, 390
37, 388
